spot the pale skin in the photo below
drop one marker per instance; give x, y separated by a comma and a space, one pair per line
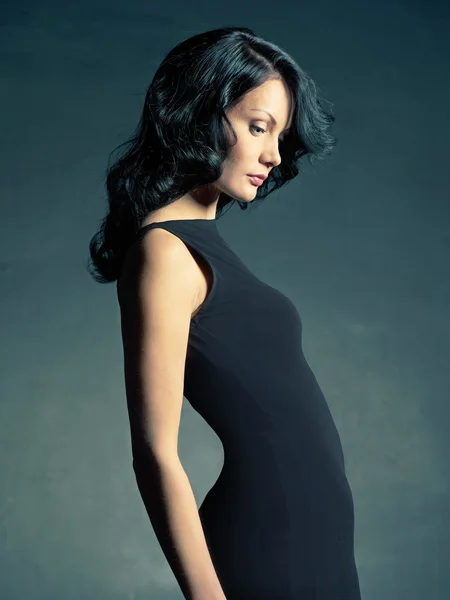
256, 151
161, 287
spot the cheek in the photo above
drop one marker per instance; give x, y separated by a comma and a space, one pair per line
228, 172
232, 162
241, 151
233, 173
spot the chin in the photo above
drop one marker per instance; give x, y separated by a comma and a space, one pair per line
247, 197
242, 195
243, 199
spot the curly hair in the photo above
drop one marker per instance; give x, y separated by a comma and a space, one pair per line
180, 142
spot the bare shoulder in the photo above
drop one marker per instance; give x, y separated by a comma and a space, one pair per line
161, 260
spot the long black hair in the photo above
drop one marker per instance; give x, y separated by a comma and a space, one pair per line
180, 142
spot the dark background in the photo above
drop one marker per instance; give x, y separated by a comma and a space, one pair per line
360, 243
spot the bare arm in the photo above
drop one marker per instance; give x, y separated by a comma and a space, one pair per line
158, 291
172, 510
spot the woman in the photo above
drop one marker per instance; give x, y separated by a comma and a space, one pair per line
224, 107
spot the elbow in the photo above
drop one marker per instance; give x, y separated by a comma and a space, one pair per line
149, 463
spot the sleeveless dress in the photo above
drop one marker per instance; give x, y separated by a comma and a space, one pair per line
279, 520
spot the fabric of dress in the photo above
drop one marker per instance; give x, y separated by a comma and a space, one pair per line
279, 520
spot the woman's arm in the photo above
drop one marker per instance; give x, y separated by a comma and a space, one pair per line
158, 293
171, 507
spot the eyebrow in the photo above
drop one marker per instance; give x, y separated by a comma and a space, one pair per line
274, 122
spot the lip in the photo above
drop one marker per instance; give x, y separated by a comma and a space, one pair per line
262, 176
257, 179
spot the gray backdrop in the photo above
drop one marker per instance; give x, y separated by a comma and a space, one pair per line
360, 244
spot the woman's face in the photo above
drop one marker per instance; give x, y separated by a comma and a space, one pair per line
256, 150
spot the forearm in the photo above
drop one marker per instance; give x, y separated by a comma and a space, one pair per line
171, 507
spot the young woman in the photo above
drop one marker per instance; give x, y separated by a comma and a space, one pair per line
227, 118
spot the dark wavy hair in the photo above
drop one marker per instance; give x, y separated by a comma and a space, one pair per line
180, 142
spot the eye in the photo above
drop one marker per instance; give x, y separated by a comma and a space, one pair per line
256, 127
282, 138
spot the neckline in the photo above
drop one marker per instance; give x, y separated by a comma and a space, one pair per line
176, 221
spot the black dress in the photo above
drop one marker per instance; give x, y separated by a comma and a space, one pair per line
279, 520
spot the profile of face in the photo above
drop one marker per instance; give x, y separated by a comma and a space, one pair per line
260, 119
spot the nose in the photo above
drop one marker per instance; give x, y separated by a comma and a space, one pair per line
272, 156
